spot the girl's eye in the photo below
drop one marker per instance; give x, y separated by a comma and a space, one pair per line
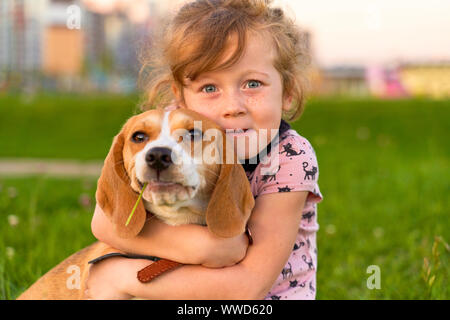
139, 137
209, 88
252, 84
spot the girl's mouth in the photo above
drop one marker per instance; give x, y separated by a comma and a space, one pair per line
240, 132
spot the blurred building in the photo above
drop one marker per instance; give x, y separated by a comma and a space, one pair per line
413, 79
38, 49
427, 79
20, 39
341, 80
117, 33
385, 82
62, 46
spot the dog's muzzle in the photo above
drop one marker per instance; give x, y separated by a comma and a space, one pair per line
159, 158
165, 191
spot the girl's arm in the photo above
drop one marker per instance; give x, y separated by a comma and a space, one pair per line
274, 224
188, 244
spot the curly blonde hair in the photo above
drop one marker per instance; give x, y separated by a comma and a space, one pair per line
195, 38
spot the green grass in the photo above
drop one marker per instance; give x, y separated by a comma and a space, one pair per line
384, 174
385, 178
64, 127
53, 218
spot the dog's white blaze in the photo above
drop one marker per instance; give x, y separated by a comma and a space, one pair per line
164, 137
188, 167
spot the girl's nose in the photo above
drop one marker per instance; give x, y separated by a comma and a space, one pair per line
234, 106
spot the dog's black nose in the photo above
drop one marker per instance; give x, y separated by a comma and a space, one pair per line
159, 158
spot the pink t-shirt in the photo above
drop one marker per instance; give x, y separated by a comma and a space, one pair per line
294, 168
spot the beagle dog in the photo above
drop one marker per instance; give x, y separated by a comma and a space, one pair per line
181, 156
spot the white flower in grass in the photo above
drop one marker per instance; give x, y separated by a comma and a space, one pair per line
10, 252
378, 232
330, 229
13, 220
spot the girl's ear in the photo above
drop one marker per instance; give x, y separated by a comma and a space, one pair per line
178, 96
175, 90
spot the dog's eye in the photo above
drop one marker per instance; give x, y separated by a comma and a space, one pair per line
139, 137
195, 135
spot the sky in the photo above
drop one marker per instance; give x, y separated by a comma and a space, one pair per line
368, 32
375, 31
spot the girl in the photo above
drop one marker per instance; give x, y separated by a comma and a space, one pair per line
240, 63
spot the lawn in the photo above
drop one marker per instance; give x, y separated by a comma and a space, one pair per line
384, 174
61, 126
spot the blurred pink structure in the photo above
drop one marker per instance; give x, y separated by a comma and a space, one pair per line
385, 82
393, 85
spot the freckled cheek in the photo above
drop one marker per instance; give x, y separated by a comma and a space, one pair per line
205, 109
208, 111
264, 101
264, 104
253, 101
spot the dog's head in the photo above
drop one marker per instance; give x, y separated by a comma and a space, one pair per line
190, 168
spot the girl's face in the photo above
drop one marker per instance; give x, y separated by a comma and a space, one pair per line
247, 96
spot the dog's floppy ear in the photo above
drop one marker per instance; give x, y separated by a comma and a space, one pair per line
115, 195
231, 202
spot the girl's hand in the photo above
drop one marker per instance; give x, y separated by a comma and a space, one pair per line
187, 244
103, 282
225, 252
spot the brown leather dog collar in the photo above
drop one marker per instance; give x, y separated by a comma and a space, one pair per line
153, 270
159, 265
162, 265
148, 273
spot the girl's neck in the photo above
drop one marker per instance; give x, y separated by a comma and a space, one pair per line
251, 164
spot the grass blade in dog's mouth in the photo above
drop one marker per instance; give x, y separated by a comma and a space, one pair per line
135, 206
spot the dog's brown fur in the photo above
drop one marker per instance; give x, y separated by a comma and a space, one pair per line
229, 207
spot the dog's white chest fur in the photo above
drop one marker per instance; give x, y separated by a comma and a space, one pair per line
191, 211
